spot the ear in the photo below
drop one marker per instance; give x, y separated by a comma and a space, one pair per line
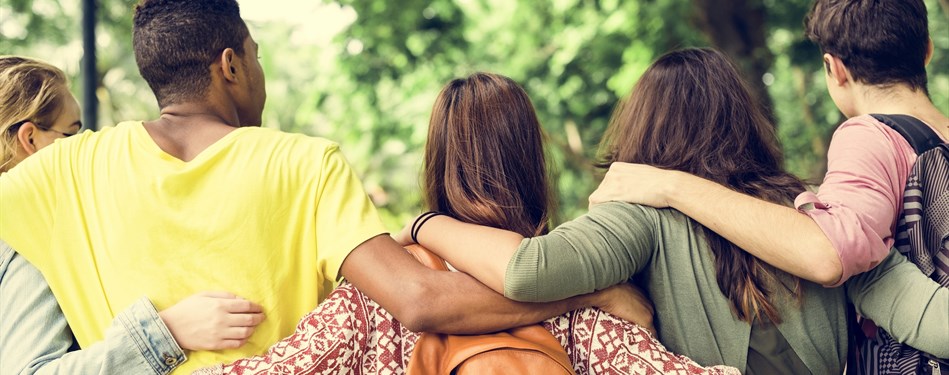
24, 137
836, 70
228, 67
929, 52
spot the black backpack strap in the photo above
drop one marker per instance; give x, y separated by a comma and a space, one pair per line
919, 135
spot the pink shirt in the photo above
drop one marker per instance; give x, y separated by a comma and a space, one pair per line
860, 199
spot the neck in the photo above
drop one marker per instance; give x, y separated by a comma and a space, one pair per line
900, 99
199, 113
184, 130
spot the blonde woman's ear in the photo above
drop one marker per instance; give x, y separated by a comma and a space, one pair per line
24, 137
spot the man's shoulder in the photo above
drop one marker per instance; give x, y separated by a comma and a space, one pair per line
866, 129
289, 141
289, 151
107, 134
870, 123
862, 121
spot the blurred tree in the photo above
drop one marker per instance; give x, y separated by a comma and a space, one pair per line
371, 86
50, 30
737, 27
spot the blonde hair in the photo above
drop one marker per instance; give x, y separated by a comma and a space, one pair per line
30, 90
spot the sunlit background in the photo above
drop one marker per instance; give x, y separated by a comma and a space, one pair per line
365, 72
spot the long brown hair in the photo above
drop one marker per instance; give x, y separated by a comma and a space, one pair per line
484, 160
692, 112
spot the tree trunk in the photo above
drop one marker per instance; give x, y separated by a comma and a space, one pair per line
812, 129
737, 28
945, 7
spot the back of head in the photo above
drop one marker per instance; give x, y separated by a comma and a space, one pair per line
30, 90
484, 159
176, 41
882, 42
692, 112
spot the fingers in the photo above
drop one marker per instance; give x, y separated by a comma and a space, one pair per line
404, 236
232, 303
241, 306
594, 199
216, 294
621, 166
599, 195
244, 320
237, 333
651, 329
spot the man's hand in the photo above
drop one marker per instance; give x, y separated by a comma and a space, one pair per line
627, 302
634, 183
212, 321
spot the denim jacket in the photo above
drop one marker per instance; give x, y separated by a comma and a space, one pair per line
35, 339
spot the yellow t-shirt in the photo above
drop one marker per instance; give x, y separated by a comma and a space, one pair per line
109, 217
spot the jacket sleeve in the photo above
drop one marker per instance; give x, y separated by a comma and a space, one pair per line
602, 248
35, 338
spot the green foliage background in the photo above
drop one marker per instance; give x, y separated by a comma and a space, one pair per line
371, 87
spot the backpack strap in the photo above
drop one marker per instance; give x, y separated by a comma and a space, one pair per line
919, 135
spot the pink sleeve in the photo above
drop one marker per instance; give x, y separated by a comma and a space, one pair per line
858, 202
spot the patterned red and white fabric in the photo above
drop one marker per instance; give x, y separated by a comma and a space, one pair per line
350, 334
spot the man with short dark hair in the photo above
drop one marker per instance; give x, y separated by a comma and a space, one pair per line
202, 198
875, 55
882, 43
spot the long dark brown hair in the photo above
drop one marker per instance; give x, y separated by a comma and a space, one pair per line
692, 112
484, 160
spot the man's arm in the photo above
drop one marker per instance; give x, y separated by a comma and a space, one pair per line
779, 235
848, 232
421, 298
425, 300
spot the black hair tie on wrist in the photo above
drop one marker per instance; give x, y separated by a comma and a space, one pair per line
412, 232
417, 225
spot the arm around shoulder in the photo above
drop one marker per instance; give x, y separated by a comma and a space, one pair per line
776, 234
426, 300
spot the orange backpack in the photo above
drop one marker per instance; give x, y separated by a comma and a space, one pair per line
524, 350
